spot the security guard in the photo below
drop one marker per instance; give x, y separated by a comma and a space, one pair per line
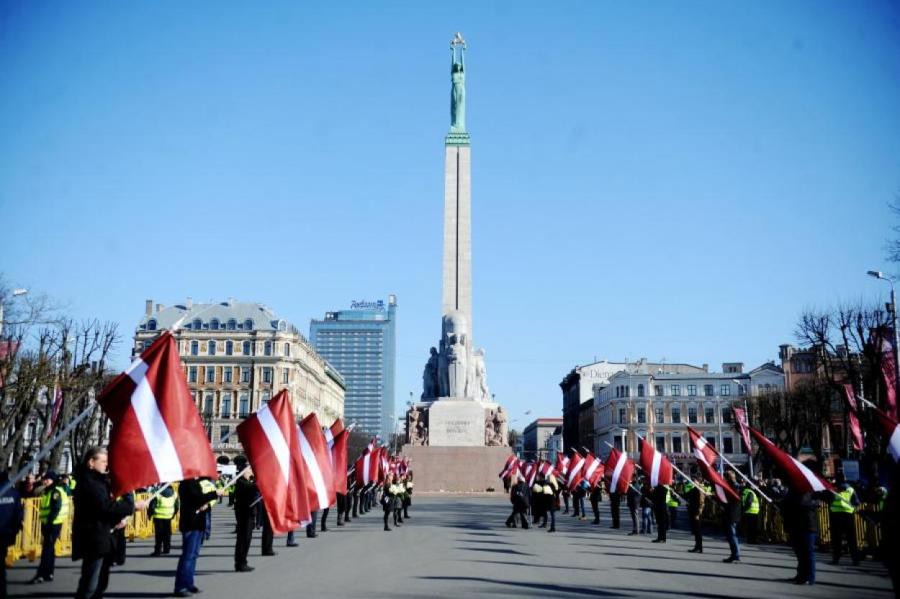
162, 510
843, 521
672, 503
208, 486
54, 510
750, 503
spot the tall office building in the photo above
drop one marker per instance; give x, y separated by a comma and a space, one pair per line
360, 343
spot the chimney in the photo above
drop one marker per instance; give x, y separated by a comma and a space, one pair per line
706, 368
148, 308
159, 307
189, 303
230, 301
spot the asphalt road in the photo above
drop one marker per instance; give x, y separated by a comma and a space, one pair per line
458, 547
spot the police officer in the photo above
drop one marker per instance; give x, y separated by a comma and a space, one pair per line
245, 494
54, 510
750, 505
842, 517
695, 497
162, 510
11, 516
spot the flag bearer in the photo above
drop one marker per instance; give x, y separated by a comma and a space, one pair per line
750, 504
245, 494
192, 523
731, 518
596, 497
661, 496
842, 517
162, 510
54, 510
695, 500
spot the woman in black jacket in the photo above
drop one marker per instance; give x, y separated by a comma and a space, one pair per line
97, 514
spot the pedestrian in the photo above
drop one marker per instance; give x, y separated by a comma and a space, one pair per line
518, 497
192, 524
660, 498
162, 511
750, 517
11, 516
245, 494
551, 495
596, 497
695, 500
842, 520
731, 517
614, 500
97, 514
407, 499
799, 513
646, 508
633, 500
54, 510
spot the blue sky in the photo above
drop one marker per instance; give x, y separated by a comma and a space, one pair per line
672, 180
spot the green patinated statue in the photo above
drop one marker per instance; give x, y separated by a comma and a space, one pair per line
458, 90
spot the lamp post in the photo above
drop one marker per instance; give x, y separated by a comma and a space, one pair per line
15, 293
893, 309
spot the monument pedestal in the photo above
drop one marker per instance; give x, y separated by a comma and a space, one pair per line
457, 469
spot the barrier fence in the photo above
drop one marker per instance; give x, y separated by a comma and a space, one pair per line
28, 542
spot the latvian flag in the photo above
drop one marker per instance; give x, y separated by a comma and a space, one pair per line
367, 466
576, 467
511, 466
655, 465
799, 478
272, 446
562, 463
724, 492
703, 451
314, 449
891, 433
529, 473
591, 466
620, 469
157, 435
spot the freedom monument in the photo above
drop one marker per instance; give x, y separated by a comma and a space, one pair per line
457, 434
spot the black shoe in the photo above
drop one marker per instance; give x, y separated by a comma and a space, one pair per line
387, 529
632, 533
324, 529
658, 541
156, 554
184, 593
551, 529
195, 590
595, 522
340, 523
730, 559
294, 544
695, 550
269, 553
36, 580
244, 568
834, 562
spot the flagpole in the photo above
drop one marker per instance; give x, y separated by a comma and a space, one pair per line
670, 487
676, 469
744, 476
47, 448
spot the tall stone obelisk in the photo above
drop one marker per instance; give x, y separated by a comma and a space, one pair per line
457, 280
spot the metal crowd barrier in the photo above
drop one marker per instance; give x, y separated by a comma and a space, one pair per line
28, 542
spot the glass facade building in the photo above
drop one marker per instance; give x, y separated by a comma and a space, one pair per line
360, 343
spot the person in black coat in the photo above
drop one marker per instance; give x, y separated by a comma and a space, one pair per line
97, 514
661, 511
518, 496
800, 515
11, 516
596, 497
245, 493
614, 500
633, 499
192, 524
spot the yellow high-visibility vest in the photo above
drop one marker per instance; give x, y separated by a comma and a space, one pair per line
207, 486
753, 508
164, 508
841, 502
46, 498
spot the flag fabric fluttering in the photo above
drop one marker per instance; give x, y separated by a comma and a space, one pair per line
576, 471
853, 417
888, 370
339, 461
368, 465
740, 419
272, 446
797, 476
703, 450
891, 433
724, 492
512, 463
619, 469
562, 463
655, 465
157, 435
314, 449
591, 465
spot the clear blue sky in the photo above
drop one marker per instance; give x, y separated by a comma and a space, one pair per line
673, 179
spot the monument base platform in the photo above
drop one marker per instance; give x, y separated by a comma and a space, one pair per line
457, 469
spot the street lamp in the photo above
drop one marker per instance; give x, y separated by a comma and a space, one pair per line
15, 293
893, 309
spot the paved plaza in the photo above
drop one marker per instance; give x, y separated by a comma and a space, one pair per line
458, 547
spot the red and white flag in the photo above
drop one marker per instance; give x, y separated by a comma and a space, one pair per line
798, 477
723, 490
620, 470
54, 416
740, 418
888, 371
512, 464
597, 476
655, 465
530, 473
368, 466
339, 461
703, 450
576, 471
891, 433
853, 417
271, 443
591, 465
314, 449
157, 435
562, 463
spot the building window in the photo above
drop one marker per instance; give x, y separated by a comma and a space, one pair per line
287, 349
676, 390
676, 415
226, 405
709, 415
197, 324
265, 397
742, 390
618, 389
285, 376
151, 325
267, 375
640, 391
642, 415
210, 374
247, 348
224, 431
211, 348
244, 406
661, 443
214, 324
725, 390
692, 415
195, 348
226, 374
192, 374
676, 443
248, 324
708, 390
267, 348
659, 415
622, 416
245, 374
726, 415
658, 390
208, 402
727, 445
232, 324
711, 441
692, 390
617, 442
229, 348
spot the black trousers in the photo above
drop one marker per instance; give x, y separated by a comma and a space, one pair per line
697, 531
163, 531
614, 501
843, 526
751, 528
633, 512
595, 507
518, 512
341, 508
267, 537
243, 539
356, 505
662, 522
94, 576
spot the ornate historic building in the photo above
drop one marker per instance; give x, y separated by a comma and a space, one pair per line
236, 357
